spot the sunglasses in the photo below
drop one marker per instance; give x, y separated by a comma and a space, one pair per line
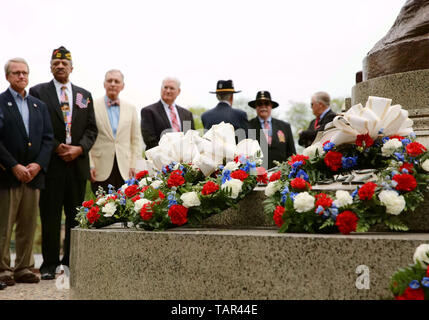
263, 103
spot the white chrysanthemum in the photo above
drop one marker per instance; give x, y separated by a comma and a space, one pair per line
425, 165
231, 166
145, 181
393, 201
422, 255
109, 209
156, 184
138, 205
390, 147
311, 150
303, 202
101, 201
343, 198
235, 185
190, 199
272, 188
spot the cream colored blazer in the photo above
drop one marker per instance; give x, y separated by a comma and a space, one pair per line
127, 146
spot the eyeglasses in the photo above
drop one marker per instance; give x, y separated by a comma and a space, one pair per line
18, 73
263, 103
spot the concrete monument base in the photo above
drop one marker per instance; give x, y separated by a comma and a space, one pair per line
184, 263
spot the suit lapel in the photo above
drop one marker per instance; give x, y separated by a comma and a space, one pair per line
13, 109
32, 106
161, 111
53, 97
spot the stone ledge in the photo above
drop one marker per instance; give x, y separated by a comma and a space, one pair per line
233, 264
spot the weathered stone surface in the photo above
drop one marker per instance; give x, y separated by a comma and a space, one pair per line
233, 264
405, 47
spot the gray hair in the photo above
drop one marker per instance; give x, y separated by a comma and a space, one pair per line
175, 80
224, 96
322, 97
15, 60
112, 71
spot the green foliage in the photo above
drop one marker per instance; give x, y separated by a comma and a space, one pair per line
402, 278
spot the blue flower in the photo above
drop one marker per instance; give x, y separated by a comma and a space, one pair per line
399, 156
302, 174
354, 193
405, 142
394, 173
425, 282
320, 209
328, 146
413, 135
285, 190
334, 212
385, 139
226, 176
297, 164
292, 195
414, 284
109, 186
86, 210
122, 201
349, 162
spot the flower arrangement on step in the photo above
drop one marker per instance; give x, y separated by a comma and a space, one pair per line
195, 178
412, 282
400, 168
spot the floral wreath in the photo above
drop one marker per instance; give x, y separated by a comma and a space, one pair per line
401, 166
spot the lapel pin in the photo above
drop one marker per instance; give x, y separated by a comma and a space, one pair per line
35, 105
9, 103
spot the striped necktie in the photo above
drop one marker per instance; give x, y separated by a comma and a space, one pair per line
174, 121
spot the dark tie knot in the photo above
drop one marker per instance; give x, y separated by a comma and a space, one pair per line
113, 102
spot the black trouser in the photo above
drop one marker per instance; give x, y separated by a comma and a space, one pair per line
115, 179
63, 191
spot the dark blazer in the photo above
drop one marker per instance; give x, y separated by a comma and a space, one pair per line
224, 112
154, 121
84, 128
18, 147
307, 137
282, 144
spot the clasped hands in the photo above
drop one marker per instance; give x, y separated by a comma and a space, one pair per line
68, 152
26, 173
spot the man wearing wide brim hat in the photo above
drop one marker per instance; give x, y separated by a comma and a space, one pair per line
277, 134
223, 111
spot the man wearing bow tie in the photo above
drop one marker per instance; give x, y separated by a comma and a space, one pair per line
26, 141
75, 130
118, 146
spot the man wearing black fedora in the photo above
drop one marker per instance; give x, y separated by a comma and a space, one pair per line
224, 111
275, 133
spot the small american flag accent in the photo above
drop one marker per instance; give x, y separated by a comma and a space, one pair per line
80, 101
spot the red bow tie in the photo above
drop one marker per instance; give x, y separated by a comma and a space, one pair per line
112, 102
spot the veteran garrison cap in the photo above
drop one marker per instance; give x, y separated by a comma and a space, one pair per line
263, 96
225, 86
61, 53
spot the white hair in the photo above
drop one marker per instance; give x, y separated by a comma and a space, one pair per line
175, 80
322, 97
16, 60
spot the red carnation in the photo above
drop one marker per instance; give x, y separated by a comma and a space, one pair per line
262, 176
412, 294
239, 174
406, 182
415, 149
161, 195
299, 184
346, 222
142, 174
175, 180
93, 214
145, 188
408, 166
333, 160
296, 158
134, 199
88, 204
278, 214
131, 190
178, 214
209, 188
364, 140
146, 211
397, 137
366, 192
275, 176
322, 199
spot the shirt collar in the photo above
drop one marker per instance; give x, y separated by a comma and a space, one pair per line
16, 94
224, 101
166, 105
58, 85
262, 120
324, 112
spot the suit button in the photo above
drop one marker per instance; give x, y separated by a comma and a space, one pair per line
29, 144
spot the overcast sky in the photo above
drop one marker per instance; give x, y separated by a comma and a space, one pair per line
290, 48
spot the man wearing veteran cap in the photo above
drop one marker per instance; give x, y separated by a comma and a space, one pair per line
75, 130
275, 133
224, 111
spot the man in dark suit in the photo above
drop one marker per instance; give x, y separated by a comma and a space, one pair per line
75, 130
165, 115
26, 141
224, 111
276, 134
320, 104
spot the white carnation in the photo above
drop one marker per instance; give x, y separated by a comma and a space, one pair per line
138, 205
231, 166
235, 185
124, 186
156, 184
311, 150
272, 188
425, 165
101, 201
343, 198
145, 181
422, 254
190, 199
109, 209
303, 202
393, 201
390, 147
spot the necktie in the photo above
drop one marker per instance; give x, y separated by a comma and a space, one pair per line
174, 121
316, 123
113, 102
267, 132
65, 108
